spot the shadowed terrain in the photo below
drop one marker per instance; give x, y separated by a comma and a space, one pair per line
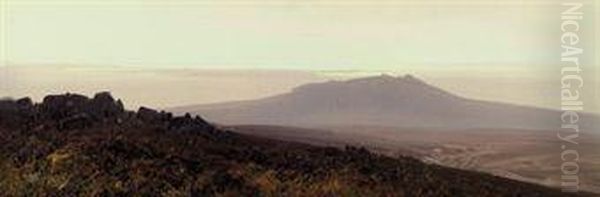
73, 145
525, 155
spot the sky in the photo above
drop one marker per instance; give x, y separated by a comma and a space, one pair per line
469, 46
279, 34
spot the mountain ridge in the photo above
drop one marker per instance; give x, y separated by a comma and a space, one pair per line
380, 100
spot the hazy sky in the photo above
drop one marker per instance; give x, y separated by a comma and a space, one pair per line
280, 34
490, 49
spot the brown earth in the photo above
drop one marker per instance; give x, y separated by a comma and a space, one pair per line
71, 145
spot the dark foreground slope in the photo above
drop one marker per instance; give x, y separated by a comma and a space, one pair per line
71, 145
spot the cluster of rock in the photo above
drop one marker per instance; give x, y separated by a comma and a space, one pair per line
74, 111
68, 110
180, 123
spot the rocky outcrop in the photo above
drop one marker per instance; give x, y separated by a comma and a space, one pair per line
74, 111
16, 112
101, 107
187, 123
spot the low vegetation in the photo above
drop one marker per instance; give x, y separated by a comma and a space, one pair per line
70, 145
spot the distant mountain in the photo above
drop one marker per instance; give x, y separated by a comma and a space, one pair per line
381, 100
71, 145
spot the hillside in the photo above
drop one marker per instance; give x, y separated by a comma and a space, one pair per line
381, 101
524, 155
72, 145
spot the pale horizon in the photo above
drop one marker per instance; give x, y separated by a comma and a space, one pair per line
171, 87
